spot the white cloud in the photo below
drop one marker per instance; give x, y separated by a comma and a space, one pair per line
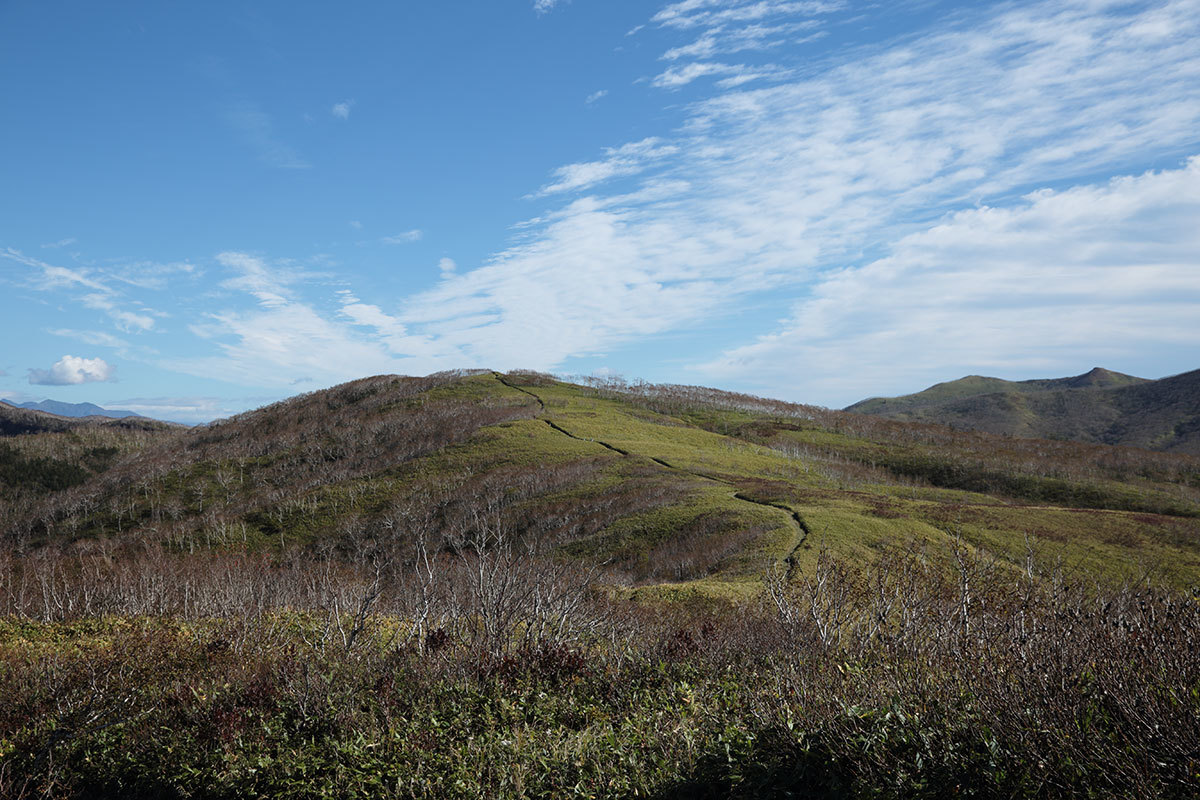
268, 284
55, 277
544, 6
623, 161
126, 320
71, 370
596, 95
98, 338
1089, 275
722, 40
150, 274
70, 240
96, 293
285, 338
342, 110
273, 345
407, 237
735, 74
447, 266
592, 279
698, 13
356, 224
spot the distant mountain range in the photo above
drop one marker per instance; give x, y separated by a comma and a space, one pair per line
1099, 406
72, 409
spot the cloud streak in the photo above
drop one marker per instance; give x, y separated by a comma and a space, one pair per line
407, 237
96, 293
709, 13
734, 75
618, 162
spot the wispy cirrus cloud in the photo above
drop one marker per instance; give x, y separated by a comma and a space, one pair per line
149, 274
269, 284
720, 40
50, 276
736, 26
629, 159
92, 287
342, 110
284, 337
734, 75
98, 338
701, 13
125, 320
406, 237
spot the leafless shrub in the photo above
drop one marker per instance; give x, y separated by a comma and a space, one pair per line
1041, 659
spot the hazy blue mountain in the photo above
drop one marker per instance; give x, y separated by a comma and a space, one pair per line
73, 409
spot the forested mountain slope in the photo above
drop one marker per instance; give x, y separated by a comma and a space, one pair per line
1100, 406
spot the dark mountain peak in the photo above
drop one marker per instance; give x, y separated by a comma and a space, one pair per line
1100, 406
1102, 378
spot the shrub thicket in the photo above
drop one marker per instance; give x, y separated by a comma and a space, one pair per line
492, 671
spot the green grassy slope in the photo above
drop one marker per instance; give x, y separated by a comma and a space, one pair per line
673, 489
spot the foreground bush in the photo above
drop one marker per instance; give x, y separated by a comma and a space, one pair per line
497, 676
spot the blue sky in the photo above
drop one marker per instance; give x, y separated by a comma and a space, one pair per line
206, 207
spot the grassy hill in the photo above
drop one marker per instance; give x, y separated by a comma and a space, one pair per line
666, 486
1100, 406
504, 585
